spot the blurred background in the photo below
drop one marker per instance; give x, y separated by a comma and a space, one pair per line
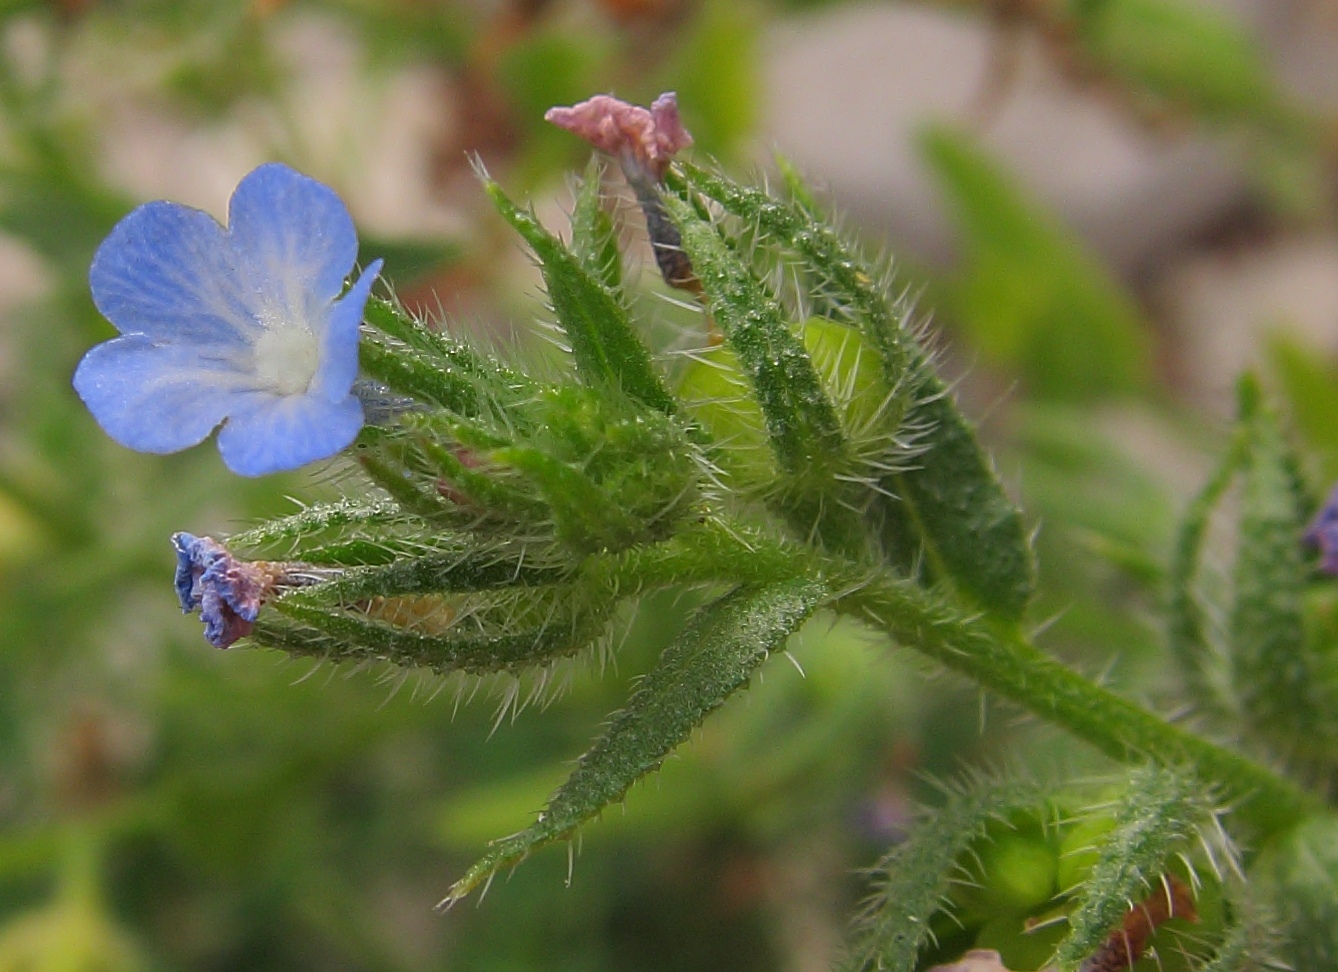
1111, 207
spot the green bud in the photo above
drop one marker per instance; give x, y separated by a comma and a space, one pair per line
1015, 874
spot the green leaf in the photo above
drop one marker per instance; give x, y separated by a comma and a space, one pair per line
1186, 637
417, 375
913, 879
710, 661
603, 343
1280, 684
1158, 814
972, 532
1030, 296
1194, 56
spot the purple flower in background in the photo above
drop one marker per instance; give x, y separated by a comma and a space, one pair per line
1323, 533
241, 326
227, 592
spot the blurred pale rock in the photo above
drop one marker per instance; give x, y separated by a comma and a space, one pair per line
850, 89
1223, 306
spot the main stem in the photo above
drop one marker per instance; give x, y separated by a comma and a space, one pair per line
1001, 658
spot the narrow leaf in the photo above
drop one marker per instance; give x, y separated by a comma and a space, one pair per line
711, 660
603, 343
1186, 639
1158, 814
1276, 678
971, 530
1032, 297
418, 375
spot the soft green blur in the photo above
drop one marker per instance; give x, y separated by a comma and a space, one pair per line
167, 806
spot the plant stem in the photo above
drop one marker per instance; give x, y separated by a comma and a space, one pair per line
994, 654
1001, 658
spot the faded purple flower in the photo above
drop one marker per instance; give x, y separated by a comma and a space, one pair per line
643, 140
647, 137
1323, 533
227, 591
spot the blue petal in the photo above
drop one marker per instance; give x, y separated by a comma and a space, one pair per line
169, 272
158, 398
339, 344
285, 432
294, 239
189, 568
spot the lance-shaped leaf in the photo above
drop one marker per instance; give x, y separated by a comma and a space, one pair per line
1278, 681
711, 660
1186, 637
951, 502
603, 343
1156, 817
914, 878
1029, 294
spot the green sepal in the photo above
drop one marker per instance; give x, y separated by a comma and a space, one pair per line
582, 515
487, 493
950, 500
1157, 816
1299, 874
913, 880
315, 520
1278, 682
417, 375
399, 324
594, 236
712, 659
604, 345
409, 497
443, 572
339, 635
801, 421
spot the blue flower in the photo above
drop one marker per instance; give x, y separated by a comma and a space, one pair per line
242, 326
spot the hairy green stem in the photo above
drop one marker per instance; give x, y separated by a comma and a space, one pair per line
1001, 658
996, 655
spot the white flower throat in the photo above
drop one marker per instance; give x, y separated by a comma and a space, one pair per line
286, 357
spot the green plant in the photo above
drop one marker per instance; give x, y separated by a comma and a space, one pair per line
816, 464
